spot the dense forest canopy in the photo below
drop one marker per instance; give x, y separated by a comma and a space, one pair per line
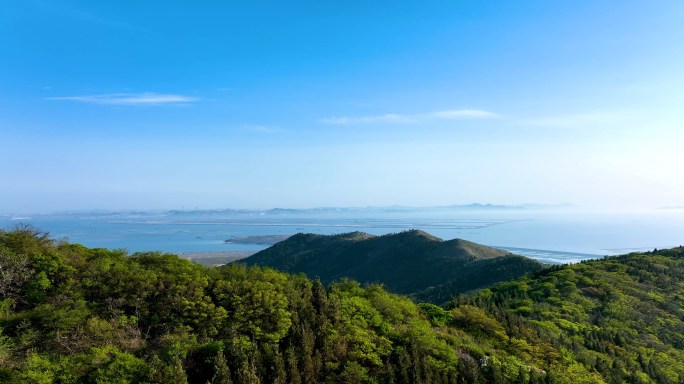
70, 314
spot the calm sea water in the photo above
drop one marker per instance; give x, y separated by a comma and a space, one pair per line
563, 236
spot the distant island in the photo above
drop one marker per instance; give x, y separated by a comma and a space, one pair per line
259, 240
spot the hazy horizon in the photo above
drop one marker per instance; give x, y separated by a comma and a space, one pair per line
561, 208
131, 105
562, 234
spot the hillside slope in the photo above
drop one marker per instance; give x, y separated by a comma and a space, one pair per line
411, 262
69, 314
622, 317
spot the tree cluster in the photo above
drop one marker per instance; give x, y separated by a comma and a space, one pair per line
70, 314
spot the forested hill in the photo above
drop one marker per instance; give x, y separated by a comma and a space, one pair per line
621, 316
69, 314
411, 262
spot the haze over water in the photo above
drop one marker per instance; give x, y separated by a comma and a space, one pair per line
556, 236
112, 105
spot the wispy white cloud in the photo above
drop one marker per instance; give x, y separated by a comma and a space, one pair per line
452, 114
462, 114
148, 98
263, 128
387, 118
573, 120
87, 17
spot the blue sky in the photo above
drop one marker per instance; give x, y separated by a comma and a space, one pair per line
154, 105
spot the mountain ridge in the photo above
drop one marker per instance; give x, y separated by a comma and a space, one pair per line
408, 262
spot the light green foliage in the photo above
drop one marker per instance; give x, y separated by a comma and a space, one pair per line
6, 345
437, 315
576, 373
255, 302
476, 319
617, 320
179, 297
38, 370
354, 373
114, 366
69, 314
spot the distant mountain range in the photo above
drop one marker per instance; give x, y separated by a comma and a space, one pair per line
411, 262
285, 211
389, 208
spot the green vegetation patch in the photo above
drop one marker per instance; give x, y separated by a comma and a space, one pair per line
70, 314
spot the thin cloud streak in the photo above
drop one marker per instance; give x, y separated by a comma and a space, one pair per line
130, 99
265, 129
87, 17
574, 120
463, 114
453, 114
387, 118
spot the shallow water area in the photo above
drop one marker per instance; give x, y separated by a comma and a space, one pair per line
562, 236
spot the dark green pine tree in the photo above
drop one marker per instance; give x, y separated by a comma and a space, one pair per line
221, 370
176, 371
292, 369
279, 372
307, 364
